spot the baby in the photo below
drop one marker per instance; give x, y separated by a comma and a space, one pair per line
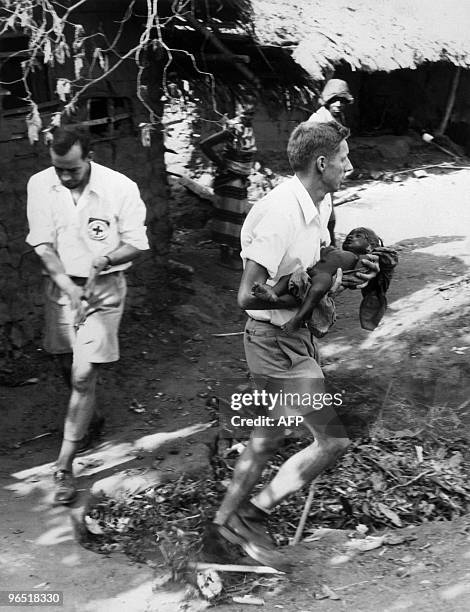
312, 287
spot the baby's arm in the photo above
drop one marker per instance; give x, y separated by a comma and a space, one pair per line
271, 293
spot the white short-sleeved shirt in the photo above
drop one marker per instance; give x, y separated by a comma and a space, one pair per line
109, 212
283, 232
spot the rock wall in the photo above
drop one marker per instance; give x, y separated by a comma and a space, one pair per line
20, 273
121, 149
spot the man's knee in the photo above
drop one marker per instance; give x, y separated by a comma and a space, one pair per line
334, 446
84, 378
264, 446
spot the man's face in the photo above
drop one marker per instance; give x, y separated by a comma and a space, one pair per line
356, 242
336, 167
71, 168
337, 106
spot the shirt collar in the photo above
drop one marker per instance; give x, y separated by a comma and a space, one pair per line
309, 210
93, 180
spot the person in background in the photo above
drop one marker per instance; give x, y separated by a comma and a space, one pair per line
333, 100
233, 163
86, 224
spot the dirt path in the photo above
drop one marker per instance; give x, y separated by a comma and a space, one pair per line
417, 360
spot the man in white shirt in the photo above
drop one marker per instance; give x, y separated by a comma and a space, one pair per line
86, 223
283, 232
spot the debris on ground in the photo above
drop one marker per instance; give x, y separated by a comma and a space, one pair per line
378, 484
249, 600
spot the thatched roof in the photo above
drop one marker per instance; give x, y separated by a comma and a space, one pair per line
367, 34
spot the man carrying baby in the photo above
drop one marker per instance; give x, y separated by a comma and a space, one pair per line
283, 232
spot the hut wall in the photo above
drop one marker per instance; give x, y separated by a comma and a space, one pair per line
386, 101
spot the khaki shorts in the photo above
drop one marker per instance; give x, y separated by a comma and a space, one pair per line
285, 363
96, 338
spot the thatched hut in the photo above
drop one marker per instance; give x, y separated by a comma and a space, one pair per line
400, 57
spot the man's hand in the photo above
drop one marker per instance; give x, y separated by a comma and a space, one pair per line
75, 295
359, 280
97, 265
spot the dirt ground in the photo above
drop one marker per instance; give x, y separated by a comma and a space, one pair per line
412, 372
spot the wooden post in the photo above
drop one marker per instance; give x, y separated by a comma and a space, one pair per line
199, 27
303, 518
450, 102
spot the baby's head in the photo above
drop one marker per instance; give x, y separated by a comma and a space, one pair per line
361, 240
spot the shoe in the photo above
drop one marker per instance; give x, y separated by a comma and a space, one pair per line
66, 490
247, 528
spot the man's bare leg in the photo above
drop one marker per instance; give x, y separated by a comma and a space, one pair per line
304, 466
65, 362
80, 411
244, 523
262, 444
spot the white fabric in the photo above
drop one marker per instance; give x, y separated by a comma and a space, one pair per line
283, 232
109, 211
322, 115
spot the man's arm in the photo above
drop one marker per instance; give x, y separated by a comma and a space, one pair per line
255, 274
123, 254
56, 270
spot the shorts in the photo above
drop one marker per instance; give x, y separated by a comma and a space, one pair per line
95, 340
286, 363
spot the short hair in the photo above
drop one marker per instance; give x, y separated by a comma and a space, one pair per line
373, 239
310, 140
64, 138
